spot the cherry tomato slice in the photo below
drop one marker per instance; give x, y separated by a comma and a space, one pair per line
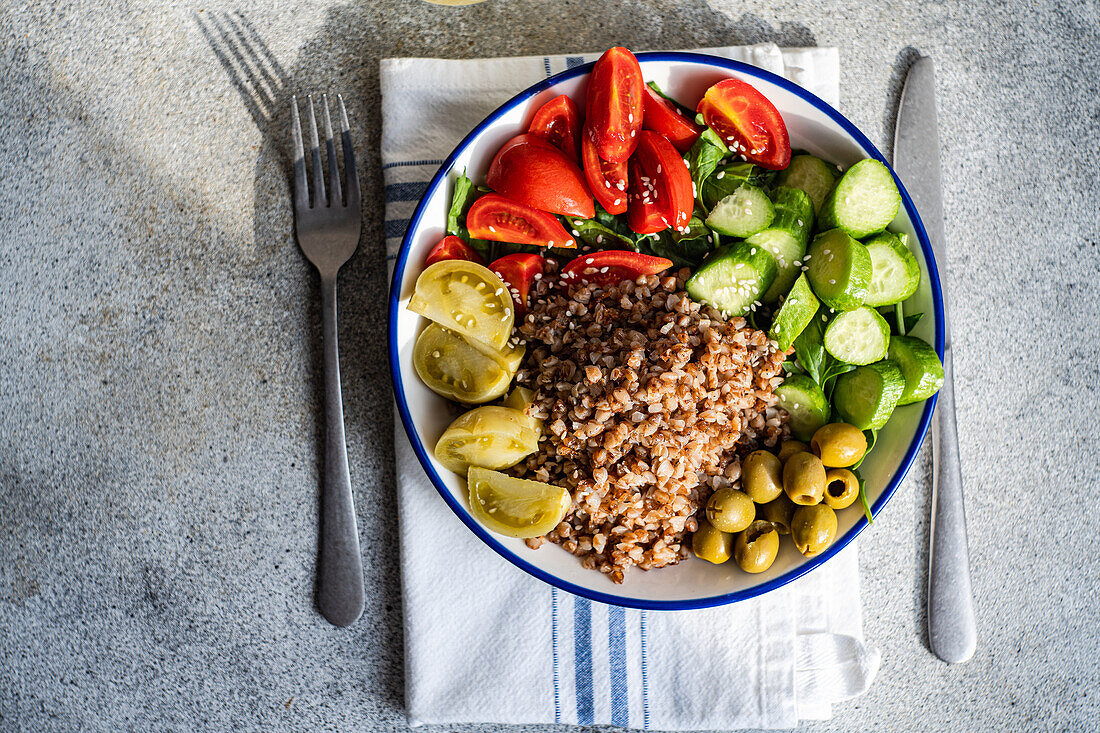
606, 180
558, 122
664, 119
531, 171
518, 272
612, 266
503, 220
613, 105
747, 122
660, 186
452, 248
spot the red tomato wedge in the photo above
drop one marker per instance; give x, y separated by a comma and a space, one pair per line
531, 171
452, 248
612, 266
662, 117
613, 105
558, 123
503, 220
518, 273
607, 181
660, 186
747, 122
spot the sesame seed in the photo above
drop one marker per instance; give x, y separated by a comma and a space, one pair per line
603, 270
617, 202
589, 261
721, 175
633, 133
498, 290
599, 239
752, 251
832, 282
824, 317
550, 243
607, 183
493, 229
630, 117
538, 275
658, 167
575, 233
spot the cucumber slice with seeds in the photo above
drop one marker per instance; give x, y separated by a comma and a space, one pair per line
743, 213
864, 202
859, 337
839, 270
733, 278
812, 175
866, 396
804, 401
786, 238
920, 366
895, 273
795, 314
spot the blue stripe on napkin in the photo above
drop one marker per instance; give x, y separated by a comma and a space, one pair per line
395, 227
645, 677
582, 638
410, 191
406, 163
554, 642
616, 643
572, 62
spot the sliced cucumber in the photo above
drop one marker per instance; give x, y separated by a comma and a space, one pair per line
725, 179
812, 175
839, 270
920, 366
795, 314
786, 238
805, 402
866, 396
859, 337
895, 273
733, 278
864, 202
743, 213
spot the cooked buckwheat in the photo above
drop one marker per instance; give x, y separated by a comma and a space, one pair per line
648, 400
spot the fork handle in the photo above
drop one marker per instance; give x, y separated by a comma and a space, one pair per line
340, 580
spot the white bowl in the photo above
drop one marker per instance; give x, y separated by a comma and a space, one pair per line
814, 126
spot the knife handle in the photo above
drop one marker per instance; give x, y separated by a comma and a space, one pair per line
952, 629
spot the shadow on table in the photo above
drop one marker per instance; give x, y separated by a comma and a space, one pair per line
343, 56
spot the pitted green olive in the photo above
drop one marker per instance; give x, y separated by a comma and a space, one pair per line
756, 547
791, 447
804, 479
841, 488
839, 444
710, 544
778, 511
730, 510
761, 476
813, 529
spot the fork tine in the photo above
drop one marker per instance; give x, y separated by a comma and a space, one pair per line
351, 173
319, 197
335, 194
301, 186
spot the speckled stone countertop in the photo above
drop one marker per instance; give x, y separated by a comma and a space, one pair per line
159, 367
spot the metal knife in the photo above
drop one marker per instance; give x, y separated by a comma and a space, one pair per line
952, 629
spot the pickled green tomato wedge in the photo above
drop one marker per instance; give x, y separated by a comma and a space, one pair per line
488, 437
467, 298
461, 370
515, 507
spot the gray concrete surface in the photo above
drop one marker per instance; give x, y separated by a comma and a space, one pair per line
159, 394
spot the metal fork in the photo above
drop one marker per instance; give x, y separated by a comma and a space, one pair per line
328, 233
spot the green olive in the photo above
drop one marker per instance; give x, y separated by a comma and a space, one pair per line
839, 444
813, 529
791, 447
778, 511
755, 548
730, 510
711, 544
761, 476
804, 479
841, 488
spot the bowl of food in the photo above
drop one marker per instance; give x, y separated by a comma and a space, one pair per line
665, 331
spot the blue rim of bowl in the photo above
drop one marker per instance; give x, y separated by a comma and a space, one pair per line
485, 535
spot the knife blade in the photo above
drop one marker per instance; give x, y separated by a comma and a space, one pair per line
952, 627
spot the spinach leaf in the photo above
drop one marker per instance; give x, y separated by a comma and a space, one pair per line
703, 157
791, 367
809, 347
461, 201
911, 321
597, 235
900, 324
628, 237
832, 371
685, 249
726, 178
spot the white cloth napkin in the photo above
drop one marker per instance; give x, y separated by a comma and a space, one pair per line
485, 642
